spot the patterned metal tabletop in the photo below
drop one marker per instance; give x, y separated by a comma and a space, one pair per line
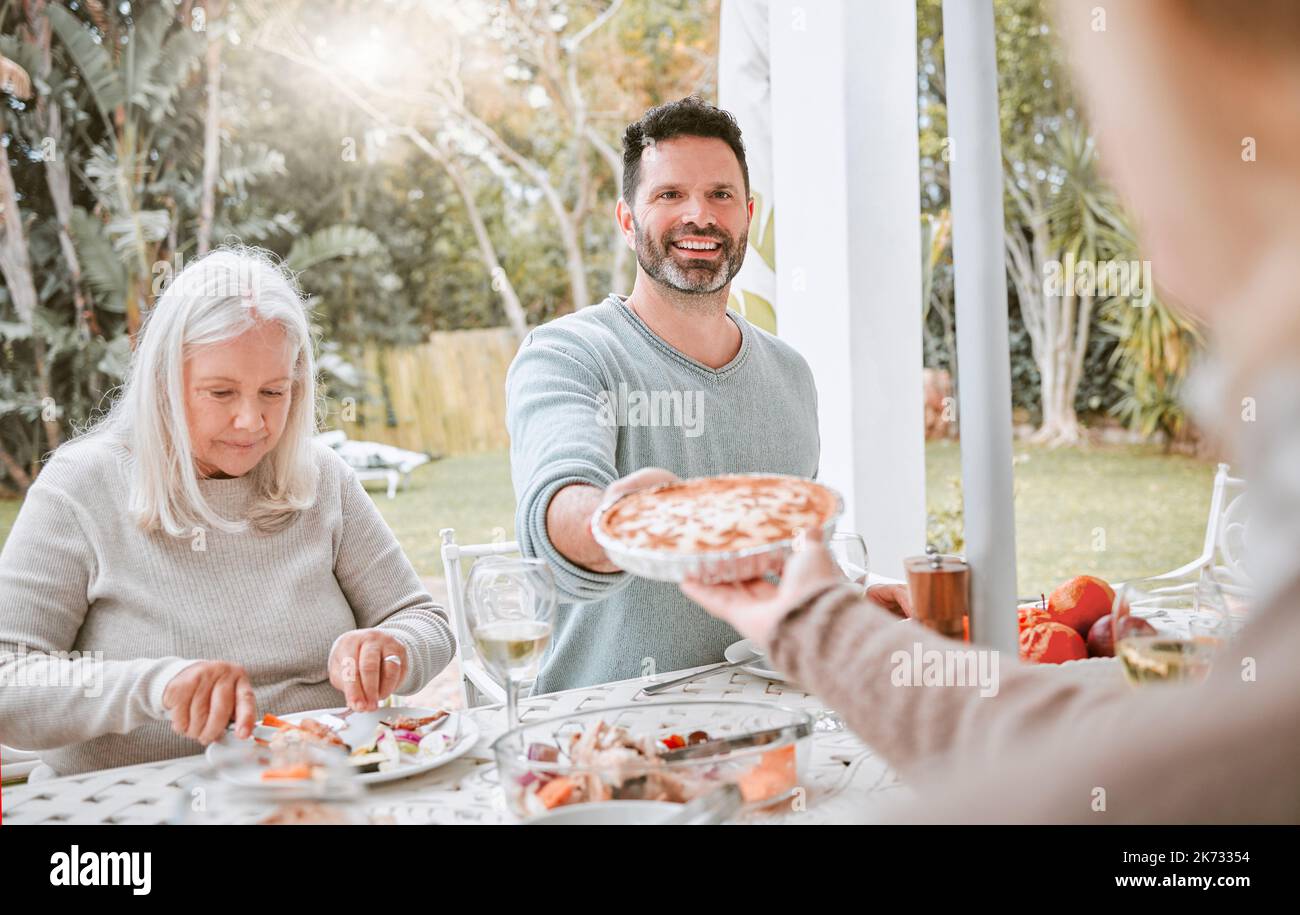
844, 778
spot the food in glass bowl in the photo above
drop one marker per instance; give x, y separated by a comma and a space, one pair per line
643, 752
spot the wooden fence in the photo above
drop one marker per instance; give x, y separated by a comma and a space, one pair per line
446, 396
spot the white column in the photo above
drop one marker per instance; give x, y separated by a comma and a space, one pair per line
983, 346
848, 251
744, 89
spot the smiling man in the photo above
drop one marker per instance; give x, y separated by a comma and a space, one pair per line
636, 390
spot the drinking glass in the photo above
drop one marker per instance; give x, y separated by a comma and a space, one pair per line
1166, 632
510, 606
850, 551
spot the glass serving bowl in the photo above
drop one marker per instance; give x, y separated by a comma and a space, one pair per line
601, 755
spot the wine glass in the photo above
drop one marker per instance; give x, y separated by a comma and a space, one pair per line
510, 606
1166, 631
850, 551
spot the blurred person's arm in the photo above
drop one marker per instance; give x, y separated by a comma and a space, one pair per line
870, 666
1049, 745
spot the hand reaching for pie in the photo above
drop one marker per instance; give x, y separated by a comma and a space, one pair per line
755, 607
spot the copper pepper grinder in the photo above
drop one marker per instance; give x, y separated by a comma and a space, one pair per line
940, 586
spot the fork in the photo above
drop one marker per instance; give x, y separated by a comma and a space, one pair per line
707, 671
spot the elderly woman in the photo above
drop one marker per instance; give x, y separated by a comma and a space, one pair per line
196, 556
1183, 90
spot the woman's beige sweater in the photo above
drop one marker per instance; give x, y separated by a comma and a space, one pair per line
97, 616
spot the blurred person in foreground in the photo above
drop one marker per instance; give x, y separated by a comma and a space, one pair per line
1174, 88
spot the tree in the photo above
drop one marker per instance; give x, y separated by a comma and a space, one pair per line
1064, 215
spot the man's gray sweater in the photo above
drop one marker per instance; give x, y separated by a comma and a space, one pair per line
596, 395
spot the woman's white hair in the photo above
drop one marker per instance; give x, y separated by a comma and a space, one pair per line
215, 299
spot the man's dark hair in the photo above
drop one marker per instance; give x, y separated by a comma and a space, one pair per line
688, 117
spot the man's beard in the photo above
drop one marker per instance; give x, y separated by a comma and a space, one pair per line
698, 276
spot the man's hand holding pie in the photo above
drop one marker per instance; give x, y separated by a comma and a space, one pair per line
573, 508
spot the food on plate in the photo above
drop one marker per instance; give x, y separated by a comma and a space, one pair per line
1051, 643
398, 736
407, 723
1080, 602
607, 762
717, 514
305, 813
306, 731
295, 751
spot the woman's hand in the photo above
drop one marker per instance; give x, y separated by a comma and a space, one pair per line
202, 699
365, 666
755, 607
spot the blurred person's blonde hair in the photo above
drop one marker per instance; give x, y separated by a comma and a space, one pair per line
1177, 91
214, 300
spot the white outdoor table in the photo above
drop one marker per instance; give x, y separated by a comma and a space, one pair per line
844, 779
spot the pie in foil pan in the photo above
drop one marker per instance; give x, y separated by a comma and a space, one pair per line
726, 528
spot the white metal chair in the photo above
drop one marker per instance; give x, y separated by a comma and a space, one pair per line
478, 687
1221, 554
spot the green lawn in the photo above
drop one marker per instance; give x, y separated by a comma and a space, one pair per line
1117, 512
1144, 509
471, 493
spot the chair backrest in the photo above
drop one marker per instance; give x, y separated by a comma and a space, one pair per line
1222, 549
1230, 536
452, 554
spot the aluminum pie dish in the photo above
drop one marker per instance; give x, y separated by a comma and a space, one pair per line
712, 567
767, 775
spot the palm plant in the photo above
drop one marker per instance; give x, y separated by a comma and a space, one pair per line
100, 192
137, 171
1155, 350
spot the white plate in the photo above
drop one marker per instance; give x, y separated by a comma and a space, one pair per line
360, 728
760, 667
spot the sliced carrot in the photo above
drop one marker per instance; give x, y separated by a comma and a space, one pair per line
556, 792
272, 722
301, 770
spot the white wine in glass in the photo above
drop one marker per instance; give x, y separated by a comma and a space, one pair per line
513, 648
510, 606
1163, 636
